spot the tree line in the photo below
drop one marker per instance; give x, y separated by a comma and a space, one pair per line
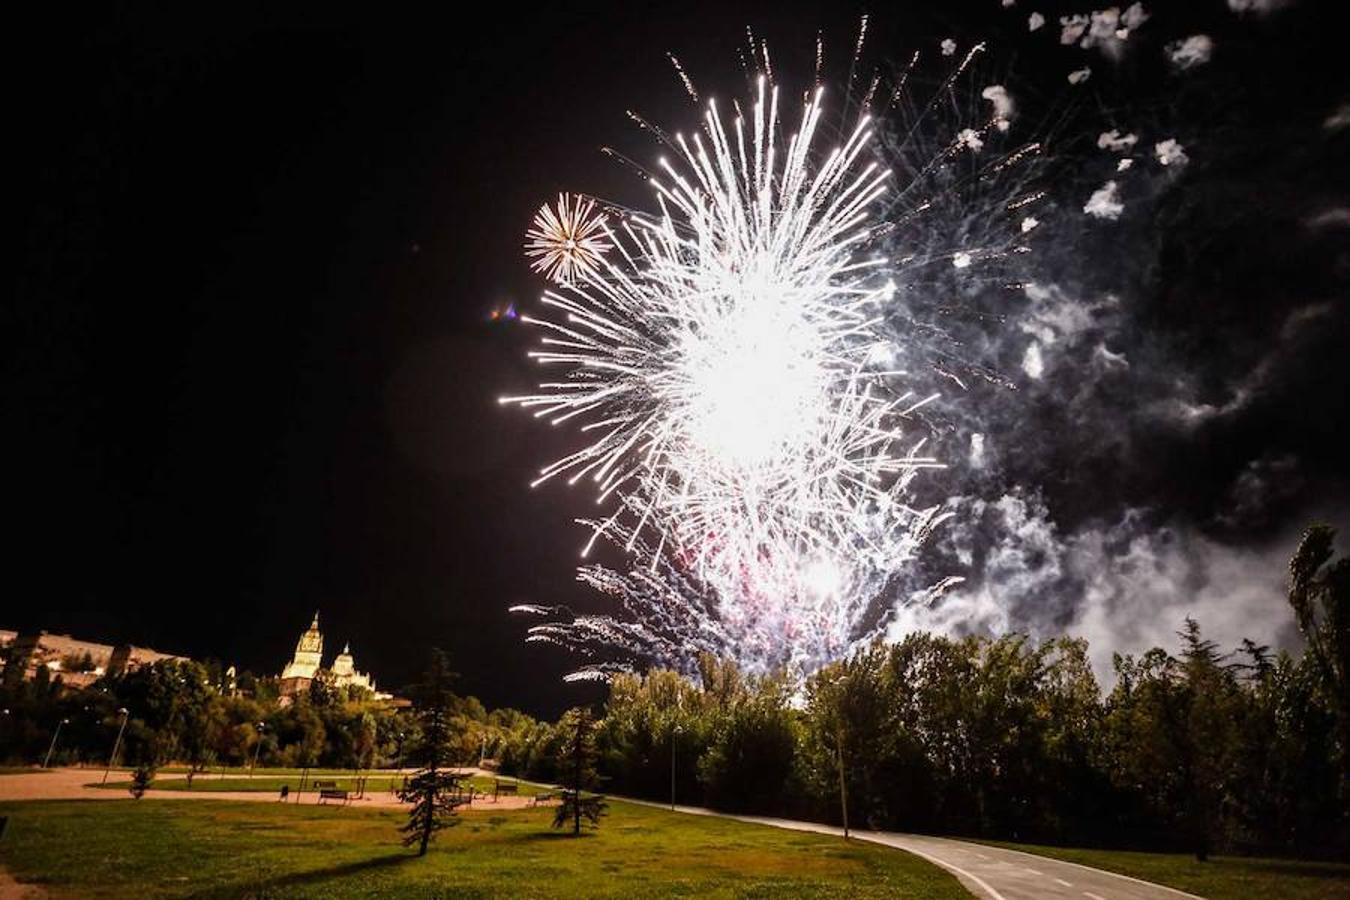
188, 713
1202, 750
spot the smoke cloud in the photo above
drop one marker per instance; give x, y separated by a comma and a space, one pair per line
1175, 359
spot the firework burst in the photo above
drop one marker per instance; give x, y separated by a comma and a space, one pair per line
729, 369
567, 239
746, 361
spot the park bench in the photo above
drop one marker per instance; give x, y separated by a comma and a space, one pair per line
334, 794
547, 797
504, 787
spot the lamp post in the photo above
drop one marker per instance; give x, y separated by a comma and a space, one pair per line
673, 732
117, 744
55, 735
843, 790
398, 762
262, 726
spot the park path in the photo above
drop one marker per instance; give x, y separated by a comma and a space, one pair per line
82, 784
16, 890
990, 873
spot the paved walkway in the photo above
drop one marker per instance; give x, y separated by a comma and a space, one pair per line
81, 784
989, 873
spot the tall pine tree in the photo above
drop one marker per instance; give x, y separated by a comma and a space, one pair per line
434, 790
576, 766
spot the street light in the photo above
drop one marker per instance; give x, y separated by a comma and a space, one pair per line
673, 732
55, 735
117, 744
398, 762
262, 726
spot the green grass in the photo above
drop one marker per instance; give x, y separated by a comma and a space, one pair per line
272, 783
1221, 878
153, 849
20, 770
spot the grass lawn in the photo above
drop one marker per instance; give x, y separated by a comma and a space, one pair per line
153, 849
20, 770
1222, 878
272, 783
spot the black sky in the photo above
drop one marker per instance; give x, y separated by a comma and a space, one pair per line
249, 370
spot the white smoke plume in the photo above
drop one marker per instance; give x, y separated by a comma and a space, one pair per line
1105, 202
1193, 51
1134, 582
1170, 153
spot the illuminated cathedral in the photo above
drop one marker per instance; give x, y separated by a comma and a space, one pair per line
307, 663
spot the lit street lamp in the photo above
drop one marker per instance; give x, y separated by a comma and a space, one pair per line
117, 744
262, 726
55, 735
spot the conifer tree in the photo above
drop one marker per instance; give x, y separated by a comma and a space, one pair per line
434, 790
576, 765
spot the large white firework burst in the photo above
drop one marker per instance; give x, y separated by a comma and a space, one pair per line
729, 366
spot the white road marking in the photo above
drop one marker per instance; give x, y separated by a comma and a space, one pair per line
980, 855
1151, 884
1063, 882
1092, 896
1034, 872
994, 895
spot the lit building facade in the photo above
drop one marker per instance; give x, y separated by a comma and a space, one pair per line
307, 664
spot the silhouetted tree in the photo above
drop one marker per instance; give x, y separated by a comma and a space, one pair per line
1208, 723
577, 759
1319, 591
434, 790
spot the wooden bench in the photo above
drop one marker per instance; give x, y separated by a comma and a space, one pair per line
504, 787
543, 798
332, 794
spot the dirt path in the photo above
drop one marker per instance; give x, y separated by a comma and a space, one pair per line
81, 784
13, 890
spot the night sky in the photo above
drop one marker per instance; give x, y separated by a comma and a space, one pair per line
249, 368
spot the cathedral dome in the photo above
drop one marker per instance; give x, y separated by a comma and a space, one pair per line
312, 640
344, 664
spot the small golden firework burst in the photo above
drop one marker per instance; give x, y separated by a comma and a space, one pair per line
566, 240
